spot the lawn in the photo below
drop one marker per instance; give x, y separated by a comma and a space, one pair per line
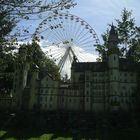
112, 135
27, 127
42, 137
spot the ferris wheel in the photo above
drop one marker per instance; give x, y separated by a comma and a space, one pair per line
64, 36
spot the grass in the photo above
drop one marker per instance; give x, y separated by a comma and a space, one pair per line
42, 137
24, 127
2, 133
50, 136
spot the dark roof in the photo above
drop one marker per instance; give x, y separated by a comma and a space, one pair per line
90, 66
124, 65
127, 65
138, 67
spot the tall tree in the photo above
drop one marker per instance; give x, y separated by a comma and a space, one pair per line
6, 58
128, 35
36, 56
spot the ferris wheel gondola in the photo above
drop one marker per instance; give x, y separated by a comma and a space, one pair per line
64, 36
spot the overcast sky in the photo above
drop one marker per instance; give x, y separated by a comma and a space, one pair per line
98, 13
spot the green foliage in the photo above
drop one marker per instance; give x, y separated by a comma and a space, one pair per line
128, 34
24, 8
6, 58
6, 72
36, 56
6, 25
102, 49
128, 37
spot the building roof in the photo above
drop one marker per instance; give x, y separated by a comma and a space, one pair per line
127, 65
90, 66
138, 67
124, 65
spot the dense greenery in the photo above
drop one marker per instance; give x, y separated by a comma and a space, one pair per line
36, 56
6, 57
128, 37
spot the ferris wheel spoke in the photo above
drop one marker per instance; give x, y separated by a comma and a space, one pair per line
80, 33
50, 35
70, 25
60, 34
62, 28
82, 36
86, 38
76, 29
84, 57
81, 58
69, 29
85, 41
61, 20
55, 38
66, 29
57, 55
56, 33
80, 30
40, 30
52, 27
88, 50
51, 55
55, 52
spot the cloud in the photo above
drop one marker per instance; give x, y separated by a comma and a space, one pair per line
57, 54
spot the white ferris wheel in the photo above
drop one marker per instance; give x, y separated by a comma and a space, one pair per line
64, 36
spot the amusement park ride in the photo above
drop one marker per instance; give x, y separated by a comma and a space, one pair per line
65, 36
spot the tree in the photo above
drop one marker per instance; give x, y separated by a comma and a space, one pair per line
24, 9
102, 49
128, 37
6, 58
36, 56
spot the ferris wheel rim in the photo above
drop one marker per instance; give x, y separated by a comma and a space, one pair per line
70, 15
85, 30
